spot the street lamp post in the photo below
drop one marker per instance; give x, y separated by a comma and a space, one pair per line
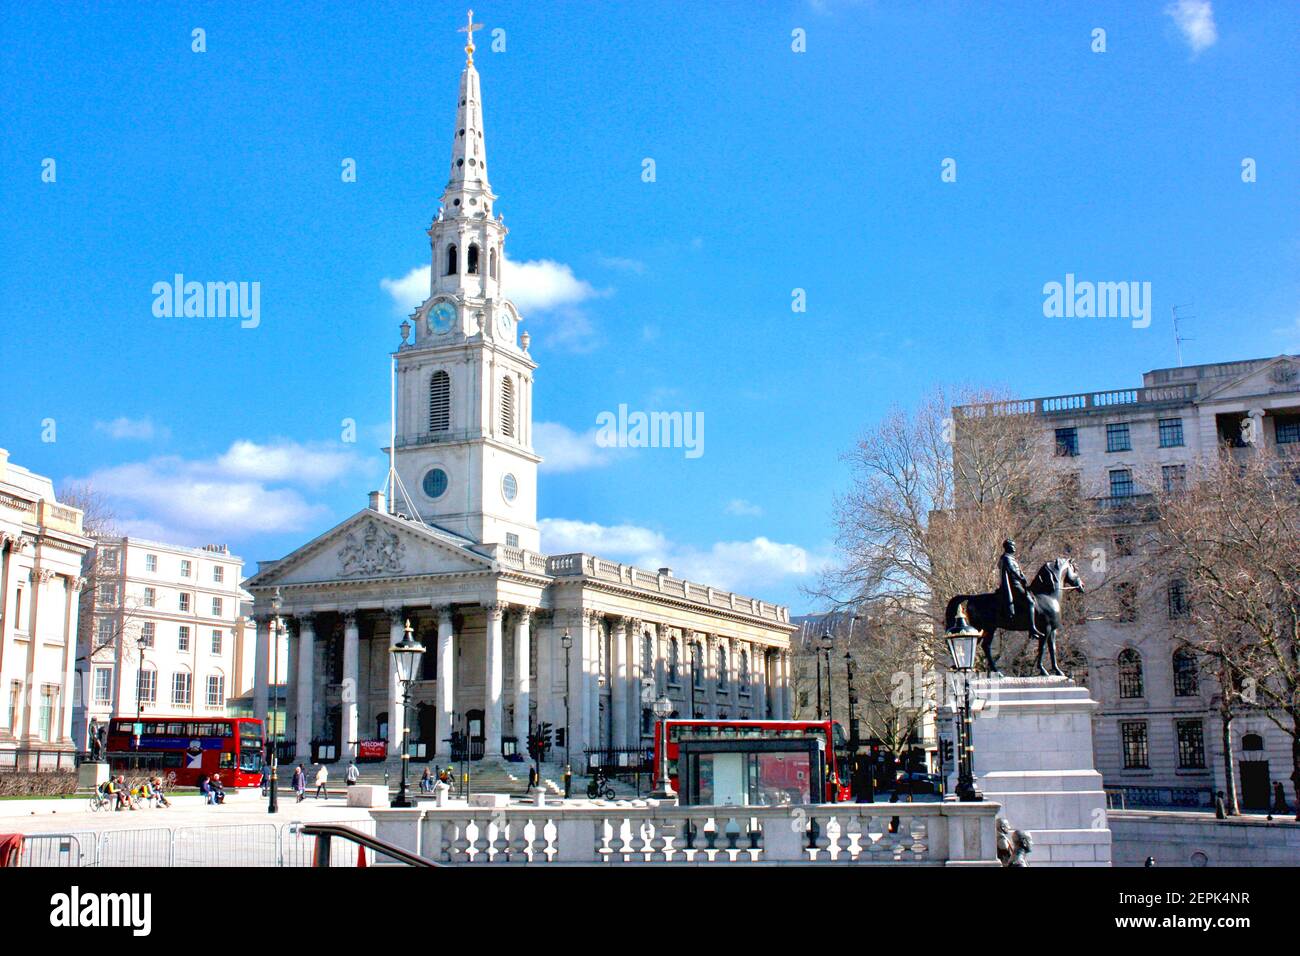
273, 801
961, 647
853, 704
567, 643
827, 644
663, 786
407, 654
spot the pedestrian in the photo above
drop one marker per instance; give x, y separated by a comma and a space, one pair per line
322, 775
532, 779
300, 783
1279, 799
266, 778
426, 781
353, 774
1220, 810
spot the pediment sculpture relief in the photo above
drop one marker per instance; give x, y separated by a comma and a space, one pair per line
374, 551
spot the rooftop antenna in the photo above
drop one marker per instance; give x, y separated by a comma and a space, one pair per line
1179, 338
393, 485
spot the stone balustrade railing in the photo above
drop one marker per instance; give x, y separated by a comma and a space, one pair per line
920, 834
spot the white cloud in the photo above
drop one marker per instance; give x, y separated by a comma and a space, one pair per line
1195, 20
563, 450
178, 499
743, 566
743, 508
623, 264
538, 285
137, 429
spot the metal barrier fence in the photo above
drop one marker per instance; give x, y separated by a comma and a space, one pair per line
1154, 798
235, 845
42, 760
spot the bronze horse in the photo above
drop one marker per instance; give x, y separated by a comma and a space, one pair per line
987, 613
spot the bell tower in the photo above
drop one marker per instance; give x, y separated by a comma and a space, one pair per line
464, 377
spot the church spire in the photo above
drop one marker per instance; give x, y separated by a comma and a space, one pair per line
468, 192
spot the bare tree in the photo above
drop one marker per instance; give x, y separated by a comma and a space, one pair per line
98, 520
1231, 530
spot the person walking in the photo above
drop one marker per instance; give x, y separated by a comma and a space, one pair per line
300, 783
322, 775
353, 775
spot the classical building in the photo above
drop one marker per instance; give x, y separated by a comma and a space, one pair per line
1157, 733
514, 637
162, 632
41, 550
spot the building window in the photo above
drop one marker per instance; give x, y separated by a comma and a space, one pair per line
1286, 429
107, 594
674, 660
183, 601
1173, 478
147, 634
697, 666
1177, 598
49, 694
105, 631
216, 642
744, 672
1191, 745
1130, 674
1186, 679
1123, 546
108, 559
146, 685
508, 407
185, 567
216, 607
181, 688
15, 695
103, 685
1121, 483
512, 540
1133, 733
216, 690
451, 261
151, 562
471, 260
183, 638
492, 263
1171, 432
1067, 442
435, 483
1117, 438
150, 597
722, 668
440, 402
1126, 602
647, 656
218, 573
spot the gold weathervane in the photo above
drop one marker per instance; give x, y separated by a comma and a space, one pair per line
469, 28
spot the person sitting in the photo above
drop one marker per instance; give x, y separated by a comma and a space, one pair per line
142, 793
122, 794
218, 791
105, 790
426, 781
205, 789
160, 799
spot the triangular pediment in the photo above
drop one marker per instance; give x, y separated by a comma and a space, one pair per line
1282, 374
373, 546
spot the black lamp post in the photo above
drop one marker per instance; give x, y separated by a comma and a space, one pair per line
961, 647
273, 801
827, 644
407, 654
567, 643
853, 704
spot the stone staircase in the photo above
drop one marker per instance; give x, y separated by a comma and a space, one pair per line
486, 776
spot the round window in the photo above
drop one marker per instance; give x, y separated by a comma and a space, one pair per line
435, 483
509, 487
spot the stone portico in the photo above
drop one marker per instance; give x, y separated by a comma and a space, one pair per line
492, 619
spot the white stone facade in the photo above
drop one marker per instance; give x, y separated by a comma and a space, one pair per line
41, 550
1116, 442
173, 612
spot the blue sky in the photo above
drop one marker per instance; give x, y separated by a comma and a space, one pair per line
775, 171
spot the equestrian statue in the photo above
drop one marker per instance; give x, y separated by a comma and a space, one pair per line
1017, 605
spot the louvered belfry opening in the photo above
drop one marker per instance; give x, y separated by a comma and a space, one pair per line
508, 407
440, 402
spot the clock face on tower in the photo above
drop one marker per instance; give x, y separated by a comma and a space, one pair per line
505, 324
441, 317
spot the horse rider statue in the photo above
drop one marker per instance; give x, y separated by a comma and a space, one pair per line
1014, 589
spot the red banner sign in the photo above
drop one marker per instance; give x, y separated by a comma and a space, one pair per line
372, 749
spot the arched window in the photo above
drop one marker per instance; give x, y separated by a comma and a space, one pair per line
440, 402
508, 407
1130, 674
697, 666
492, 263
647, 656
1186, 679
471, 259
744, 670
722, 667
451, 260
1252, 742
674, 660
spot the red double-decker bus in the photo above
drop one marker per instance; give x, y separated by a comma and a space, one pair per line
183, 749
772, 774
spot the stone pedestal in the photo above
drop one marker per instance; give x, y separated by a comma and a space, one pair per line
367, 795
1033, 755
91, 775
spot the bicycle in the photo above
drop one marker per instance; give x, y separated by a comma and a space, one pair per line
98, 802
599, 786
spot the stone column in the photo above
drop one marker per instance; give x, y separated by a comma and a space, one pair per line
396, 718
785, 691
351, 639
541, 634
636, 640
306, 681
263, 649
446, 682
71, 587
595, 637
523, 683
492, 709
619, 683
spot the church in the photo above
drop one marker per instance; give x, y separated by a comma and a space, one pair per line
514, 638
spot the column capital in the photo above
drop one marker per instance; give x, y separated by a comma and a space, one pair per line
349, 616
495, 610
524, 613
305, 619
443, 610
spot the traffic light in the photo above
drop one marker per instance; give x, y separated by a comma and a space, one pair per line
945, 748
544, 737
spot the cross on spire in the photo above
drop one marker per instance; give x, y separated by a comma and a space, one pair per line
468, 29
